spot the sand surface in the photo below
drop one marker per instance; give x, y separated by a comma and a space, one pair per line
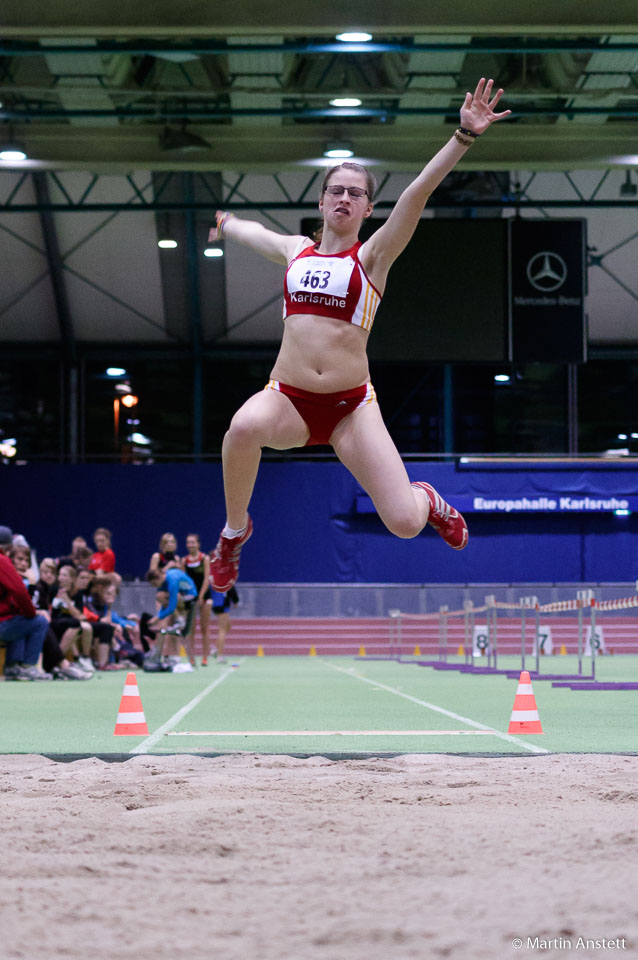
269, 858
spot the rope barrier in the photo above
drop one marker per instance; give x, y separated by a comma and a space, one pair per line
559, 605
623, 603
491, 634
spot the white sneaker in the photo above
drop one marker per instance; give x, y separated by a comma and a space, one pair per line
86, 664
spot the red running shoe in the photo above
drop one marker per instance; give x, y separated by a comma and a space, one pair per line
224, 567
447, 521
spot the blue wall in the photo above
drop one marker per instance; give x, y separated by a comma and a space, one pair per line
307, 528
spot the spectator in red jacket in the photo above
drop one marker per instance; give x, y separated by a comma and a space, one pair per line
103, 560
22, 631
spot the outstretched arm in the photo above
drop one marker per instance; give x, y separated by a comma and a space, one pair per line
278, 247
381, 250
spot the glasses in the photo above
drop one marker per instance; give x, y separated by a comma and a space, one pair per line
336, 190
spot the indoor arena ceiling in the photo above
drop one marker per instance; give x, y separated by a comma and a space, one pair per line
218, 85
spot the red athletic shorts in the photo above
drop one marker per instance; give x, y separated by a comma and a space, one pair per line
321, 412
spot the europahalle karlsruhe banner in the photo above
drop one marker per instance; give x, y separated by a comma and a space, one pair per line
547, 290
546, 503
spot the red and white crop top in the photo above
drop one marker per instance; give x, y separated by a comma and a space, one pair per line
330, 285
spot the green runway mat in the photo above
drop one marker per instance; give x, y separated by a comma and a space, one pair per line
319, 705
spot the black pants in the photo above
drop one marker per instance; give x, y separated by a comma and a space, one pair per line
51, 652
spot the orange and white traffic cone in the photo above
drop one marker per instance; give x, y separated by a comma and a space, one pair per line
525, 717
131, 721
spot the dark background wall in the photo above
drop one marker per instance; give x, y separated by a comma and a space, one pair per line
309, 524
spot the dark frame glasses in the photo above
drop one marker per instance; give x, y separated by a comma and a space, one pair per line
336, 190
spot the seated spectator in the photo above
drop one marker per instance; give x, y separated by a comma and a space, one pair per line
83, 582
22, 631
130, 646
121, 651
166, 556
74, 632
20, 557
21, 541
103, 560
53, 658
43, 591
80, 555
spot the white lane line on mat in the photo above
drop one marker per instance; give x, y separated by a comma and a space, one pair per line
157, 735
328, 733
432, 706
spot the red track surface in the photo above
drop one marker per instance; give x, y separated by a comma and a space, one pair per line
333, 635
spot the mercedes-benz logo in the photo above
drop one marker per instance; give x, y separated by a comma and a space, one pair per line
546, 271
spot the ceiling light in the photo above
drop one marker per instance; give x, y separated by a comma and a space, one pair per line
622, 436
354, 37
12, 150
7, 448
628, 188
175, 56
167, 244
502, 377
139, 438
182, 140
213, 252
130, 400
345, 102
338, 150
115, 372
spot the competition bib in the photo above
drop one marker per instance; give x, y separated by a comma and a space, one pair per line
319, 277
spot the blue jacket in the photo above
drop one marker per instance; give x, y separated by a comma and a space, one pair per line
177, 583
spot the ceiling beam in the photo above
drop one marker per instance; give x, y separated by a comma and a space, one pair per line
485, 45
157, 18
272, 147
56, 266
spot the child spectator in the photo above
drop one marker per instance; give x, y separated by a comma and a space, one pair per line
83, 583
74, 632
120, 652
53, 658
43, 591
80, 555
20, 557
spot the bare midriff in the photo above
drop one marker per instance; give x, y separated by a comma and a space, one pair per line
321, 354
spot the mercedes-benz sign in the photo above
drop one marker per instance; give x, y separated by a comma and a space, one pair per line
546, 271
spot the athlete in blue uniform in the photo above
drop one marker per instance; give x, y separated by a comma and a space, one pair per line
221, 606
179, 586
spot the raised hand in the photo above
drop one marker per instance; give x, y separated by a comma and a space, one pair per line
477, 112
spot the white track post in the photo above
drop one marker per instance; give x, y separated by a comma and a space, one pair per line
523, 604
580, 597
585, 598
443, 612
537, 629
491, 629
468, 630
592, 635
395, 626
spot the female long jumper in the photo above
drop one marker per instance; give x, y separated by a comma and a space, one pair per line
320, 390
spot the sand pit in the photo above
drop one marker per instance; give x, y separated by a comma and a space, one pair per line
276, 858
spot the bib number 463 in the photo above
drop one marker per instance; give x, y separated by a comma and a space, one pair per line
315, 279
